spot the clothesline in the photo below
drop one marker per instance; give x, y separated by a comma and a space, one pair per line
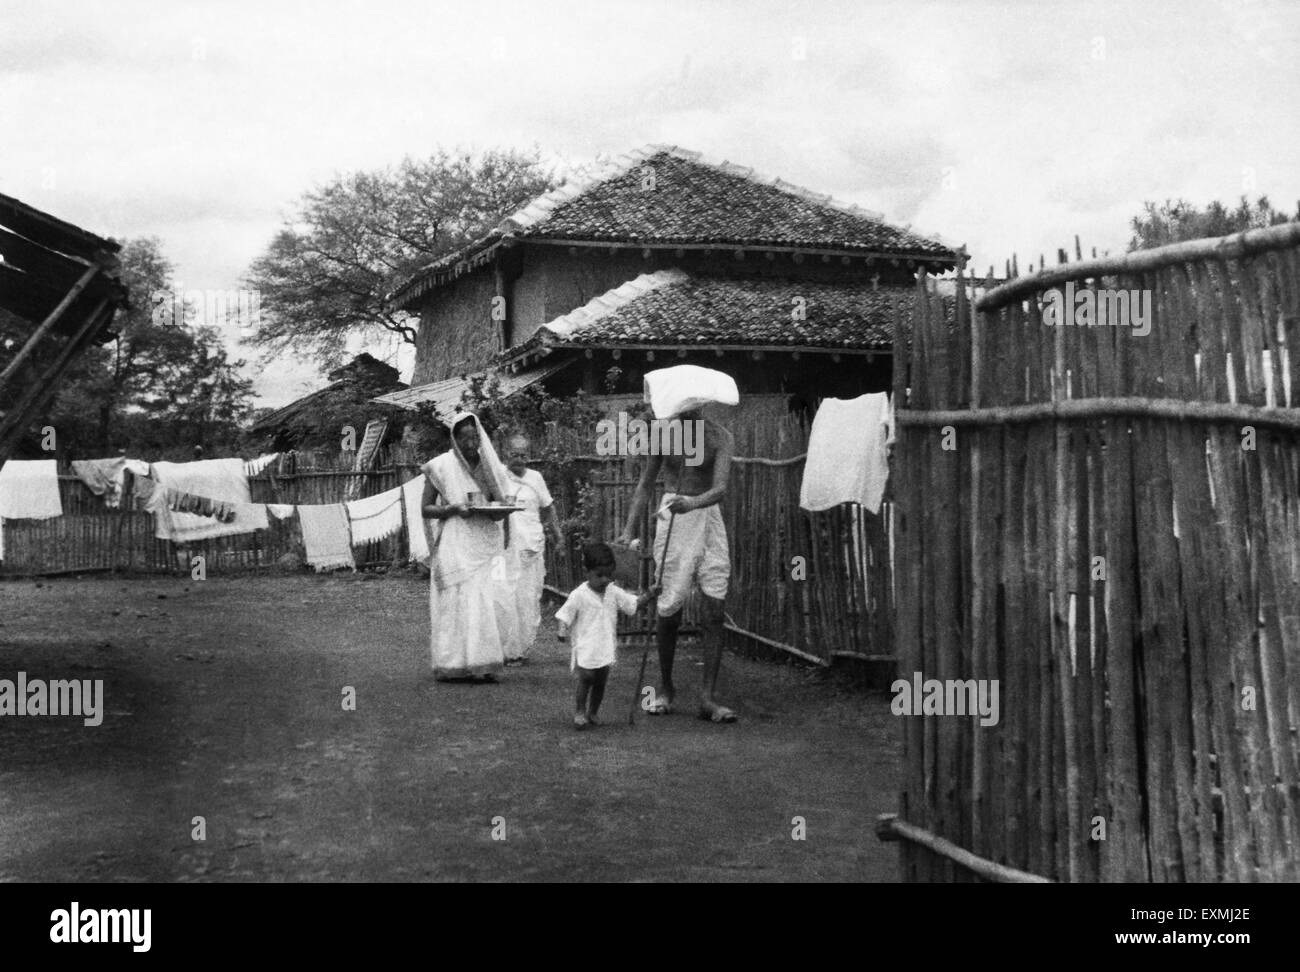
330, 530
185, 511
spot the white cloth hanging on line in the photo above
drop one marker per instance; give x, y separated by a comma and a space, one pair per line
221, 480
254, 466
105, 477
375, 517
325, 536
848, 460
29, 489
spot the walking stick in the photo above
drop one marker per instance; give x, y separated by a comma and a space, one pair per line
645, 652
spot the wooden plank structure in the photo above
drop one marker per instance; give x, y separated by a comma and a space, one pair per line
58, 294
1107, 523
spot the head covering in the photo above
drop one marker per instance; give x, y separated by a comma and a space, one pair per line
672, 391
490, 473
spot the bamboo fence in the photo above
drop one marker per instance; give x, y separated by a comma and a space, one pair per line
1115, 538
836, 602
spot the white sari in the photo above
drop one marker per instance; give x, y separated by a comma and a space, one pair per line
471, 628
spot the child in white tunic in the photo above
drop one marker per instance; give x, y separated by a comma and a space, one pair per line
591, 615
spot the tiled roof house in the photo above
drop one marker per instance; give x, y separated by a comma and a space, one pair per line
665, 257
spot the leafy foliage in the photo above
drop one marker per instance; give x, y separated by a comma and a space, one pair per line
159, 389
1173, 222
326, 275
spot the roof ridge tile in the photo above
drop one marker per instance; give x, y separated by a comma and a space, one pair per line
612, 300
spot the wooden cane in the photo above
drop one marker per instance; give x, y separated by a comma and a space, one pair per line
645, 652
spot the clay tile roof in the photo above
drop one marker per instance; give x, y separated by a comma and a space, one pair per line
672, 308
665, 195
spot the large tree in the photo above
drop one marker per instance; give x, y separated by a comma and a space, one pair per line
161, 388
326, 273
1173, 222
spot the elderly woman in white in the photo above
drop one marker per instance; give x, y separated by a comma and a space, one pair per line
526, 557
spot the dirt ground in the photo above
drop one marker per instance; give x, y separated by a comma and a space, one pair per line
222, 699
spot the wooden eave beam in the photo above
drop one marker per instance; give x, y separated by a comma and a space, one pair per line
756, 247
51, 231
666, 347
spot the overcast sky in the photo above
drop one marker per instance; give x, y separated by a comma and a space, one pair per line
1008, 127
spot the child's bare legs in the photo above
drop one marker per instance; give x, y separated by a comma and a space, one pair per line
597, 693
583, 681
590, 693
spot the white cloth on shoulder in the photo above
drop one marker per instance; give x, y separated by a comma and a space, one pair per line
848, 459
29, 489
417, 536
460, 546
671, 391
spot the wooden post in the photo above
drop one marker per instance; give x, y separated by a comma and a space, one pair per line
124, 510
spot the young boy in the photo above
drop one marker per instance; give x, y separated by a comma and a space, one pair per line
592, 613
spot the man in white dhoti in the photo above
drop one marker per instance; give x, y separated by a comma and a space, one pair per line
470, 630
526, 557
697, 554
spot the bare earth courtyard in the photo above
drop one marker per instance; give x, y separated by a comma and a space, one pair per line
222, 699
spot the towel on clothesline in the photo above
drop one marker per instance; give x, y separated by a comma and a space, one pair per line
281, 511
254, 512
671, 391
142, 491
29, 489
848, 458
104, 477
220, 480
254, 466
416, 525
325, 536
375, 517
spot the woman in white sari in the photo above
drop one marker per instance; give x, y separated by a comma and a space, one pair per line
471, 634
